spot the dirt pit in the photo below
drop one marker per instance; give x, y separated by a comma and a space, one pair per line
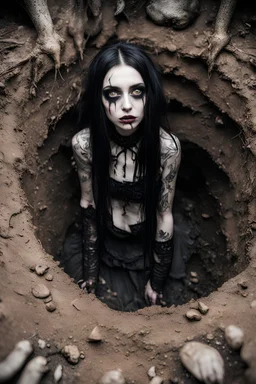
214, 117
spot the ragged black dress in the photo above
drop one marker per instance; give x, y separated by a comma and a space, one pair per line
123, 270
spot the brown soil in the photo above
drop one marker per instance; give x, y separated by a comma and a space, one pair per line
215, 118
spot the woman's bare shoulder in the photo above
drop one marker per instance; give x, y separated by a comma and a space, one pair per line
169, 142
81, 142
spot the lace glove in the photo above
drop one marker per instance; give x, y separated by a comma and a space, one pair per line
90, 248
163, 251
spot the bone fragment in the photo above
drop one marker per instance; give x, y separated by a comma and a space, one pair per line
15, 360
33, 371
203, 362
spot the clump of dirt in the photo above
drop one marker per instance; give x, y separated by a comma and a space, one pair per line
214, 117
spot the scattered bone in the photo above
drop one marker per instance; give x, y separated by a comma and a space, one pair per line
41, 343
51, 306
33, 371
203, 362
47, 299
15, 360
193, 314
41, 269
234, 336
49, 277
40, 291
157, 380
248, 353
120, 6
112, 377
95, 335
71, 353
152, 372
57, 375
202, 307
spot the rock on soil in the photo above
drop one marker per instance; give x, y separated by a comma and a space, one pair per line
193, 315
203, 362
112, 377
40, 291
71, 353
95, 335
234, 336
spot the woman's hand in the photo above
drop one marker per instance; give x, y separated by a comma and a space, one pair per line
150, 295
88, 286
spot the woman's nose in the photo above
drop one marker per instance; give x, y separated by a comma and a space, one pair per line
127, 106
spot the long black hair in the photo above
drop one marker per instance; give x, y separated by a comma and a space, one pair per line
92, 113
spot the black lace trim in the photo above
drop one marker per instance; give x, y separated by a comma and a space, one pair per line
125, 141
127, 191
90, 245
160, 271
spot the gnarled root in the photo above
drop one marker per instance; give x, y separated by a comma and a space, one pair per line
15, 360
81, 25
33, 371
220, 38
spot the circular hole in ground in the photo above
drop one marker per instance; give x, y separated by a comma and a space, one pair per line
200, 207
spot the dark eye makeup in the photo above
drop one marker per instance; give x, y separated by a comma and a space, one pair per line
113, 93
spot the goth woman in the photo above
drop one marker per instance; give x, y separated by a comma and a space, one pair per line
127, 163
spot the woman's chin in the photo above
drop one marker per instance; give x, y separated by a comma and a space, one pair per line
126, 129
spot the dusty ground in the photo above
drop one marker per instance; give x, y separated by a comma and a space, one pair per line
215, 118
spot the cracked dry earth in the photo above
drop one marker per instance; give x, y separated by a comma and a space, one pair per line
215, 118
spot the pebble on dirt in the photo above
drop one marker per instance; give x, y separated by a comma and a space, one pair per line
152, 372
193, 315
41, 343
51, 306
204, 362
112, 377
202, 307
40, 291
234, 336
71, 353
49, 277
95, 335
57, 375
41, 269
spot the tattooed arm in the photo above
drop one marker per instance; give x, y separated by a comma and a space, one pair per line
82, 155
170, 161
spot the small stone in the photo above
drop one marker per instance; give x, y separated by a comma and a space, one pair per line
193, 315
244, 294
234, 336
51, 306
95, 335
193, 274
32, 268
205, 215
71, 353
209, 336
47, 299
41, 269
194, 280
157, 380
112, 377
204, 362
152, 372
40, 291
253, 304
57, 375
82, 356
41, 343
49, 277
202, 307
243, 284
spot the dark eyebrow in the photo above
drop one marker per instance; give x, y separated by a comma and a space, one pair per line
119, 89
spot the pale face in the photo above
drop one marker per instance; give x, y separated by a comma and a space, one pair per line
123, 96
